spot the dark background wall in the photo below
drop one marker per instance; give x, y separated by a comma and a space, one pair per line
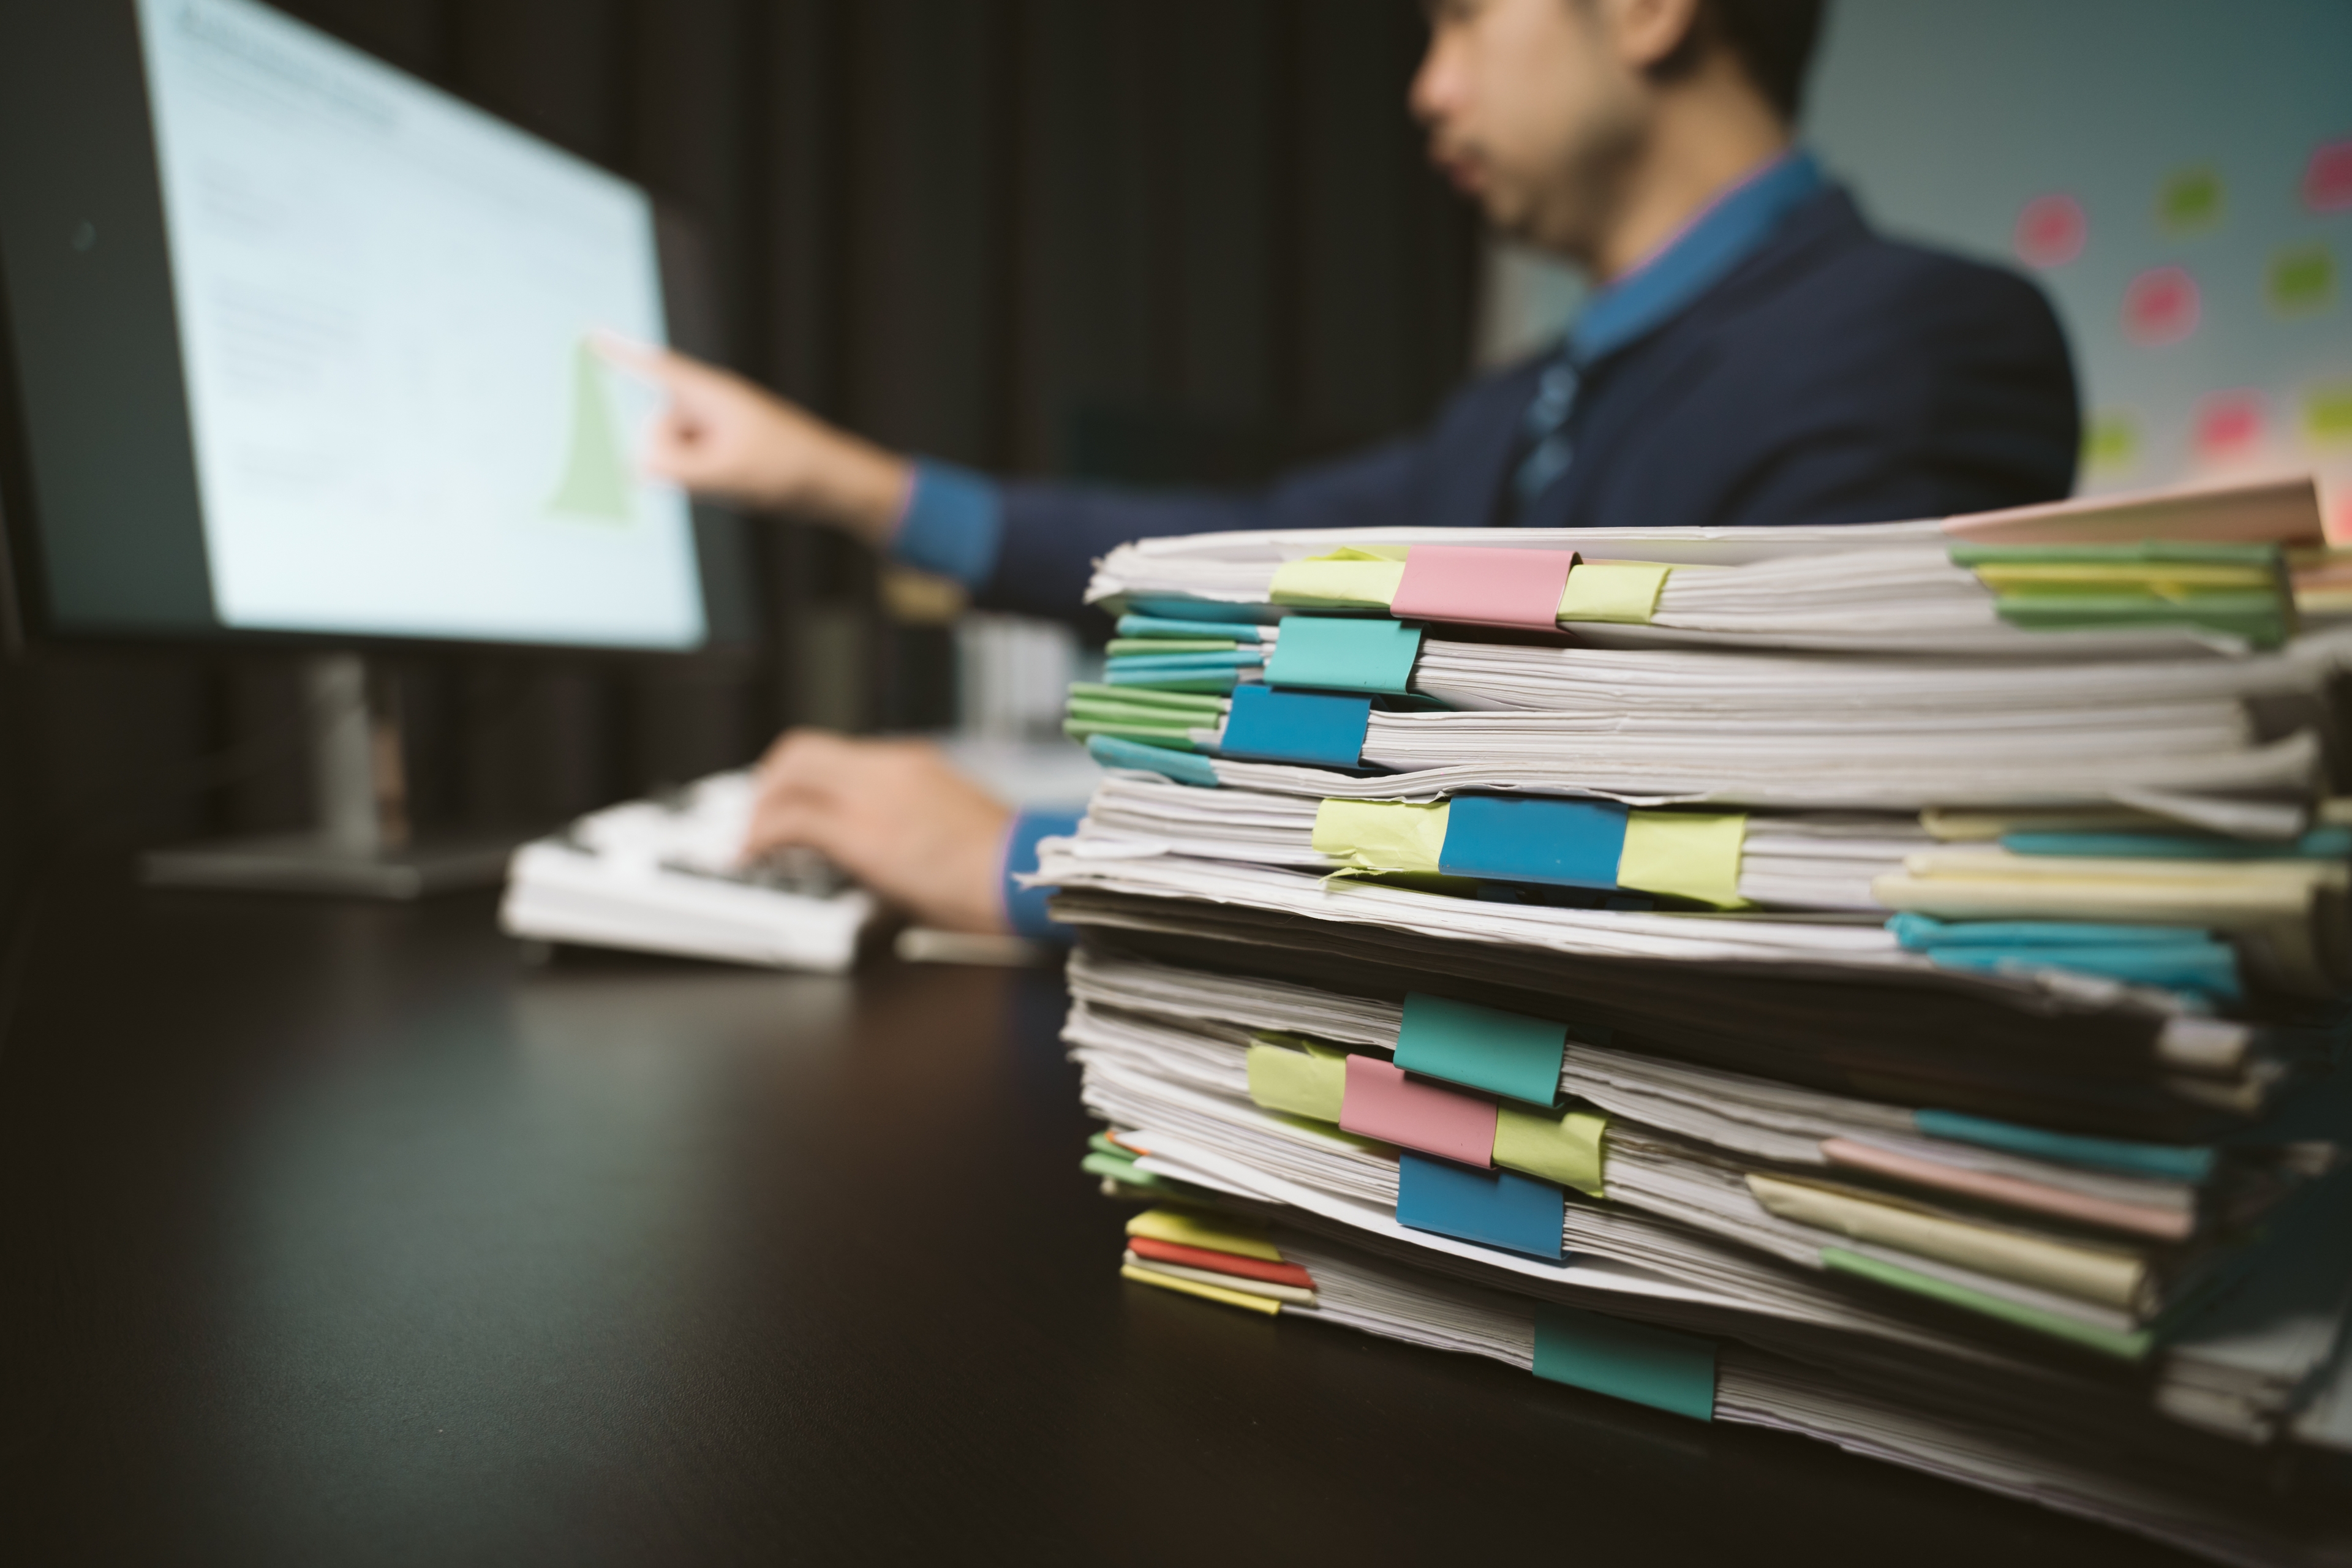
1137, 239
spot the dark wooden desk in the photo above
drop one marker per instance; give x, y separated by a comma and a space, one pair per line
336, 1235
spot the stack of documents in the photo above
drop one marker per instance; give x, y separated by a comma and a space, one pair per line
1886, 983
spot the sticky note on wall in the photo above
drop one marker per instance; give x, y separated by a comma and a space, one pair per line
1658, 1367
2161, 306
1483, 1047
1483, 587
2049, 231
2301, 279
2327, 178
1333, 653
2190, 200
2327, 413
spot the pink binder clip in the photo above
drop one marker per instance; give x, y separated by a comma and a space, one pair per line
1381, 1103
1483, 587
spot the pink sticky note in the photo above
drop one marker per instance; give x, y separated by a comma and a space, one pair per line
1381, 1103
2160, 306
2327, 178
1483, 587
2049, 231
2229, 423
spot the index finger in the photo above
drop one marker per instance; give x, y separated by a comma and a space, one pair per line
650, 360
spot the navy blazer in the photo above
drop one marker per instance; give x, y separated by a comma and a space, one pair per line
1832, 376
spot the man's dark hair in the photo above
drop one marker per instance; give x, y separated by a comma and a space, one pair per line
1773, 38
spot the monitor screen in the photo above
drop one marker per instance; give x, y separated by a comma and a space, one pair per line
390, 422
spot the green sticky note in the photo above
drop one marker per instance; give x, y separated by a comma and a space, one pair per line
1212, 706
2327, 413
2260, 618
1483, 1047
1657, 1367
1128, 1174
2126, 1345
1122, 647
2190, 201
1309, 1082
1566, 1147
1150, 735
2301, 280
1330, 652
2110, 441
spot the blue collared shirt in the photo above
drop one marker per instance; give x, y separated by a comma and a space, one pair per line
1718, 238
1724, 234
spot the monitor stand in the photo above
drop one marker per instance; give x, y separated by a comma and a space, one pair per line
361, 847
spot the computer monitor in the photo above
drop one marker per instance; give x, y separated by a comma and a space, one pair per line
298, 347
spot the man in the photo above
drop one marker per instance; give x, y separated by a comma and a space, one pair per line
1751, 354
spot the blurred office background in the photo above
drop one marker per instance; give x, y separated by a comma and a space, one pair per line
1160, 242
2178, 177
1128, 241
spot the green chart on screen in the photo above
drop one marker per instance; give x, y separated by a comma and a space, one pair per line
596, 481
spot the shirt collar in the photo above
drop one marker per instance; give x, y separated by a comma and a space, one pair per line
1726, 232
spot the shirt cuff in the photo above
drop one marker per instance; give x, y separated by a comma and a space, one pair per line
953, 524
1024, 907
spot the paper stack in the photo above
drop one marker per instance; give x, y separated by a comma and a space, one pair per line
1886, 983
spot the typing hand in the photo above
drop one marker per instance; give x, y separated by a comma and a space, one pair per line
892, 814
720, 435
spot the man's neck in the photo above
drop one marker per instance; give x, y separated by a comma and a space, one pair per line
1702, 143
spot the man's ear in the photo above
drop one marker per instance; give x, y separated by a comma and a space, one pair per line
1647, 33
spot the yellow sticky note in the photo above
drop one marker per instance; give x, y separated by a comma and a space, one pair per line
1690, 854
1624, 593
1344, 576
1215, 1232
1308, 1083
1382, 835
1196, 1287
1566, 1148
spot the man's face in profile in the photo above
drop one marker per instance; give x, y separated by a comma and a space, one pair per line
1530, 111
